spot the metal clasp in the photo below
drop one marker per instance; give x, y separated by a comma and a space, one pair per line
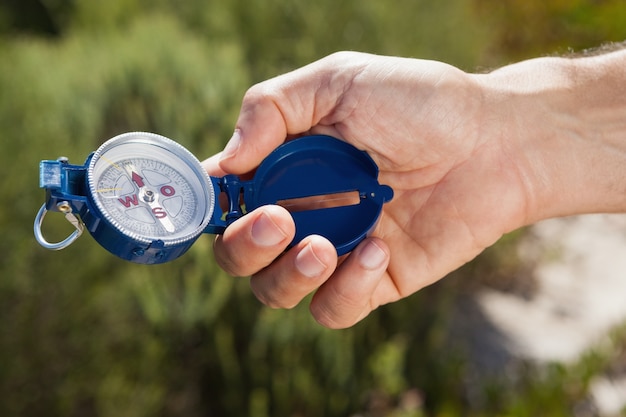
64, 207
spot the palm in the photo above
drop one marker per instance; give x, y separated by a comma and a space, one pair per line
454, 195
437, 228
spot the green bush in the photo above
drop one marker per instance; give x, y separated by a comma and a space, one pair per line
85, 334
81, 326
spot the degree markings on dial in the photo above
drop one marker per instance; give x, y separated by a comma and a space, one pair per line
108, 161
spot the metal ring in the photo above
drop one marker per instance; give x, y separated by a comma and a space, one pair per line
64, 243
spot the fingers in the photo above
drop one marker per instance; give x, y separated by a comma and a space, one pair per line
255, 245
347, 296
344, 295
254, 241
295, 275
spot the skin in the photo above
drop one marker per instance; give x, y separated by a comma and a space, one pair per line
470, 157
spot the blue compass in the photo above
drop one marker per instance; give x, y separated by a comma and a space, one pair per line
146, 199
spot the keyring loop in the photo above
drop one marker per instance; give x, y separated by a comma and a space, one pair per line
64, 243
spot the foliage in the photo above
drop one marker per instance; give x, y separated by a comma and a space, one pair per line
529, 28
85, 334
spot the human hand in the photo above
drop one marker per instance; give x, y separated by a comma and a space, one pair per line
437, 136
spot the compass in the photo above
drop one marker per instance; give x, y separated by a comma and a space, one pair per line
145, 198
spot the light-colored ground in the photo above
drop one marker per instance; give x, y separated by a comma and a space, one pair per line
581, 295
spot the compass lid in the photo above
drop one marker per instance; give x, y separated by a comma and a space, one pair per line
330, 187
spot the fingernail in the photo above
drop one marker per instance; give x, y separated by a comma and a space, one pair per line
265, 232
232, 146
308, 264
372, 256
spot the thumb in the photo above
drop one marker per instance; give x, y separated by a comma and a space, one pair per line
260, 128
287, 105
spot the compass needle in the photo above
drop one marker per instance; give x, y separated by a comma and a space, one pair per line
137, 179
159, 212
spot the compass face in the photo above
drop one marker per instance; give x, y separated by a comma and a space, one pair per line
151, 188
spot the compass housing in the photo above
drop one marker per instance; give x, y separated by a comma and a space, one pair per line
146, 199
150, 197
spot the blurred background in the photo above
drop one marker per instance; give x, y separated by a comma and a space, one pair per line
85, 334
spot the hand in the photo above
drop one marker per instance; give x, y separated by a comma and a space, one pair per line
421, 121
437, 134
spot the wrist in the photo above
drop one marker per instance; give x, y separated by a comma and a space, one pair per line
562, 124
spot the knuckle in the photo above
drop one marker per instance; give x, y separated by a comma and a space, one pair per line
259, 94
230, 264
275, 298
329, 318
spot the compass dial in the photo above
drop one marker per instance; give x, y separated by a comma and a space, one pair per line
151, 188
